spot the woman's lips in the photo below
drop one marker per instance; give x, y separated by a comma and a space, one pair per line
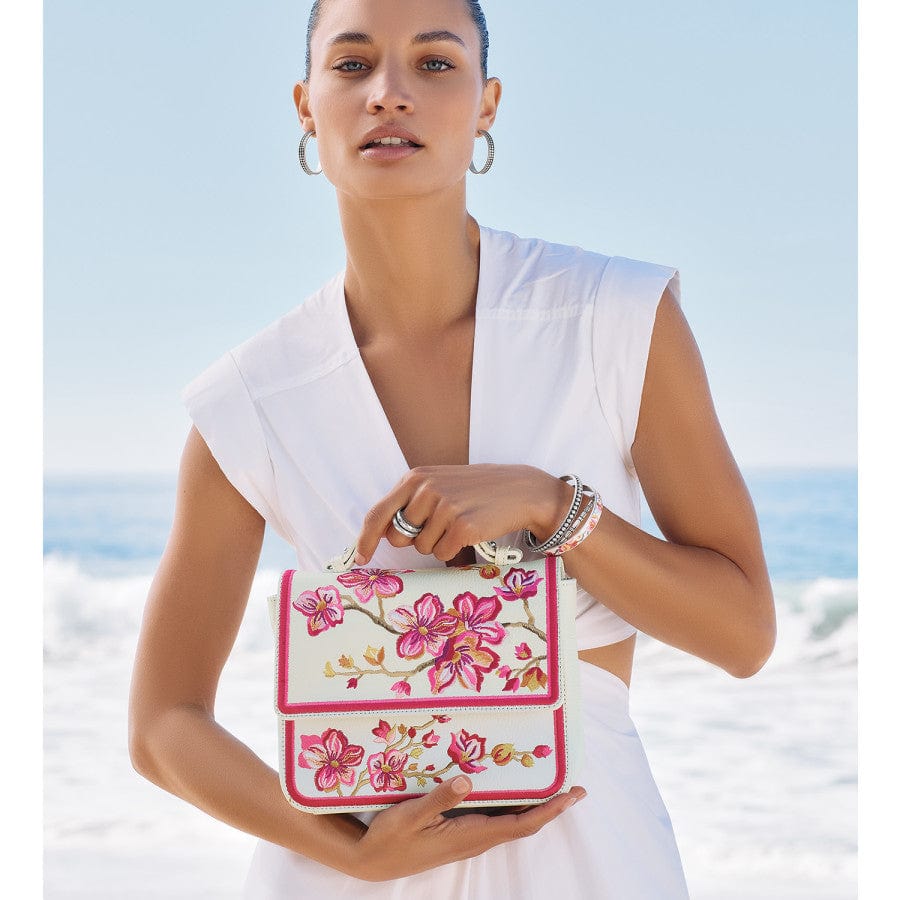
389, 151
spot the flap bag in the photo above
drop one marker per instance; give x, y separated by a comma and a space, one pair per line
388, 681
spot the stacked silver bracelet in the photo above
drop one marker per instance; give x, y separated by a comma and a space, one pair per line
572, 522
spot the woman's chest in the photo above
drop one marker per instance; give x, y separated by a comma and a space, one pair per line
424, 390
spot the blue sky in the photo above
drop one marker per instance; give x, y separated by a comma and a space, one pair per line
716, 137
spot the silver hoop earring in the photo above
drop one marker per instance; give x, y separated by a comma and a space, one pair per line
303, 163
490, 157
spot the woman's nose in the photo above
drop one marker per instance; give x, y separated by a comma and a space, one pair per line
389, 90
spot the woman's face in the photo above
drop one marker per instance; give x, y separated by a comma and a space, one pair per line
408, 68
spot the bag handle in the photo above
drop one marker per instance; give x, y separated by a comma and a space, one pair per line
498, 556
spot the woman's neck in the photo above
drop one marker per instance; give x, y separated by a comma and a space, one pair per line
412, 265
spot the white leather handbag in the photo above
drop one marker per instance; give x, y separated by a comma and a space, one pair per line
388, 681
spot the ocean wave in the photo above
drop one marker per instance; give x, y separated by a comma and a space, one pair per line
84, 611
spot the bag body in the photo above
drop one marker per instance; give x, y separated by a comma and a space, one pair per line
388, 681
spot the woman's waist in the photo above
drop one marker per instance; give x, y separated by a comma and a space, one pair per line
616, 659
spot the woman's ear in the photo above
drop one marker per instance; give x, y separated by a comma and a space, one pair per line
490, 100
301, 101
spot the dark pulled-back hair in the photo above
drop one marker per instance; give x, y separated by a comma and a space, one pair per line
475, 11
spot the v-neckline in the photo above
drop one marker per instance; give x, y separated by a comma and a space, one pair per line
374, 401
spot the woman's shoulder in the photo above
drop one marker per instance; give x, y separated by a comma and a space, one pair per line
298, 346
551, 272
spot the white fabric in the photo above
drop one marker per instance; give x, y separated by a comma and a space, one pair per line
561, 343
616, 844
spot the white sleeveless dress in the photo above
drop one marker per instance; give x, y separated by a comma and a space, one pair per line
562, 337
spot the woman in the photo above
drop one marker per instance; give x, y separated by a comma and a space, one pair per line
455, 372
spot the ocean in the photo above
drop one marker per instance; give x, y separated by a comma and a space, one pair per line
759, 775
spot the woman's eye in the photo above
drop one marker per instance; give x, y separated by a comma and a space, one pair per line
438, 65
350, 65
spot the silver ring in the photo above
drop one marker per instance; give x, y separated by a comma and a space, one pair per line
405, 527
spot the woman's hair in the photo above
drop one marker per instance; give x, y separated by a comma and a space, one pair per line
475, 11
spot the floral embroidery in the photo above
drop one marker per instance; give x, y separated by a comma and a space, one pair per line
338, 763
490, 570
384, 734
523, 651
519, 585
322, 608
366, 582
453, 643
333, 758
502, 754
386, 770
427, 628
477, 614
465, 750
465, 658
535, 678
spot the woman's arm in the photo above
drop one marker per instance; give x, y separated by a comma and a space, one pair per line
191, 619
705, 589
192, 616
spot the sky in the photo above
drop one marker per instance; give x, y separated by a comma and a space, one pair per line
717, 137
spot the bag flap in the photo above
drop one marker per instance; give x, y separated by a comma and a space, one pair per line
401, 639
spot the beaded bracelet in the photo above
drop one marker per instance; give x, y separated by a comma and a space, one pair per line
596, 509
573, 528
578, 525
561, 533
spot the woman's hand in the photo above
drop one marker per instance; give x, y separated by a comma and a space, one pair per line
413, 836
459, 506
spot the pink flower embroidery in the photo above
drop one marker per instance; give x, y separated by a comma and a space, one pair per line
541, 751
511, 685
504, 671
365, 582
430, 739
465, 750
477, 614
426, 628
401, 688
384, 734
519, 585
465, 658
523, 651
332, 756
322, 607
386, 770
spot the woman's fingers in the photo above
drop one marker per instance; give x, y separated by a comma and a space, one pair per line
500, 829
442, 798
413, 836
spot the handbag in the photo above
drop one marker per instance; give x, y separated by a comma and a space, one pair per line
388, 681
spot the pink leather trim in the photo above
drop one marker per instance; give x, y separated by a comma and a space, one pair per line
377, 799
500, 700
